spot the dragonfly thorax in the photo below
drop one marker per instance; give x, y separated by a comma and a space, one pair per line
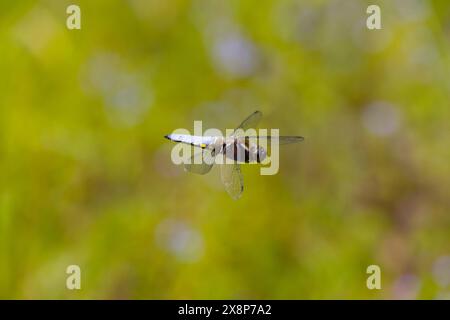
244, 152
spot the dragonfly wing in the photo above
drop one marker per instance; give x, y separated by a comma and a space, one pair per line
201, 162
281, 139
232, 179
250, 122
290, 139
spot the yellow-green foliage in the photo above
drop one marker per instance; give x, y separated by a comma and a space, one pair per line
86, 176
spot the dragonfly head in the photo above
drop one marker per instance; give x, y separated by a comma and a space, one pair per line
260, 154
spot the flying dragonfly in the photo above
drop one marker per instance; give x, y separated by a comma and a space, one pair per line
237, 147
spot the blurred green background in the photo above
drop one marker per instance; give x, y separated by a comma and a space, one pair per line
86, 175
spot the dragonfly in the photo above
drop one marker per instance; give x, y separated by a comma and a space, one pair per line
237, 147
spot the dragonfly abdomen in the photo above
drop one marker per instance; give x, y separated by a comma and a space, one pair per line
198, 141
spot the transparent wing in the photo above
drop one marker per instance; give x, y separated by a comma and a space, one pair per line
282, 139
232, 179
201, 162
250, 122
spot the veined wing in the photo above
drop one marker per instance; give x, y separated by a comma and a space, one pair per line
281, 139
201, 162
232, 179
250, 122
